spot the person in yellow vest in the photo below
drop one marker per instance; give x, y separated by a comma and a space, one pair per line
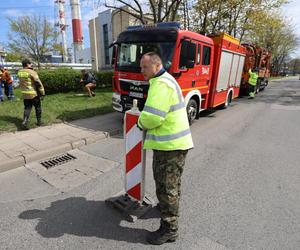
253, 76
165, 120
32, 90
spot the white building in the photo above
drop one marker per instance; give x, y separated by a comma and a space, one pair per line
103, 30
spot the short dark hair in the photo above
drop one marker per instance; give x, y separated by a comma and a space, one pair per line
155, 58
25, 62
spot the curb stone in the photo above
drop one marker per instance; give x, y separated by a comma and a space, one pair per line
12, 163
21, 160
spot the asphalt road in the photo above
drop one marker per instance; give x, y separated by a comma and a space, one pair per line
240, 187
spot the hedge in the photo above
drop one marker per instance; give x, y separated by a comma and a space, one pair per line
65, 80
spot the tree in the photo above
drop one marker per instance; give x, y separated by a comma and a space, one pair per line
31, 36
230, 16
13, 57
155, 10
294, 66
275, 33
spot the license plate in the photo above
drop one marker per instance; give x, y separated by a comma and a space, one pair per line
136, 94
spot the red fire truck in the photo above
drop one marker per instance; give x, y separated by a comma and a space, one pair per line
208, 69
257, 58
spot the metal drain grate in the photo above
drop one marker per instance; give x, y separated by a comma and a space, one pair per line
58, 160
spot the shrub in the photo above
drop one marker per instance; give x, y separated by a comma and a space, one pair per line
65, 80
104, 79
60, 80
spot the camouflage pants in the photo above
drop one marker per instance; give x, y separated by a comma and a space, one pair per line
167, 171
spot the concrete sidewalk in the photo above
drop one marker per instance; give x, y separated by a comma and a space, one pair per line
22, 147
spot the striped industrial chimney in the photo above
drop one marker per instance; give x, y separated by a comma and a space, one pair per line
62, 27
76, 27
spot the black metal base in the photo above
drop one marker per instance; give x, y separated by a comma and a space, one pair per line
130, 208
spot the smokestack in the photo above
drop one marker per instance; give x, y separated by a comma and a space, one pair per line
62, 27
76, 27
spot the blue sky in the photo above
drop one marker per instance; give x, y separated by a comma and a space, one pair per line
15, 8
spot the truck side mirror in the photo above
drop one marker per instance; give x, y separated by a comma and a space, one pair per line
114, 54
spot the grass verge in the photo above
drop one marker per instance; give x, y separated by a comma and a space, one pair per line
56, 108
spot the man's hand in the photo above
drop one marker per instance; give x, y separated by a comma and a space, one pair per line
137, 124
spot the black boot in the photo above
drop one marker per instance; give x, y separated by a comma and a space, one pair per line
24, 123
162, 235
39, 122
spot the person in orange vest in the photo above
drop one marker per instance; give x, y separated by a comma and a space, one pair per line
1, 87
8, 83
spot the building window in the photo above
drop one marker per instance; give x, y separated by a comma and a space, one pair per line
106, 46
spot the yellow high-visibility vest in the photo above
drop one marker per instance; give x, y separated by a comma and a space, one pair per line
164, 116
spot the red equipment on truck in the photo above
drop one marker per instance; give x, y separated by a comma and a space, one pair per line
208, 69
259, 59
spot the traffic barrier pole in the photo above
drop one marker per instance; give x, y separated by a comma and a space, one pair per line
134, 203
134, 155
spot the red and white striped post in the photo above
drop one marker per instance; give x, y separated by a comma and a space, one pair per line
135, 155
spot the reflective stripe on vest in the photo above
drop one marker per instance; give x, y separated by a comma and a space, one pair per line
168, 137
155, 111
174, 107
179, 94
180, 103
26, 75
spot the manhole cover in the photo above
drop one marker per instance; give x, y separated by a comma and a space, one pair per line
58, 160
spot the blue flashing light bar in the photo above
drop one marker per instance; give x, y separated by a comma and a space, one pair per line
155, 25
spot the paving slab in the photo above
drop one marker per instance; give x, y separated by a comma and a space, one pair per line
9, 164
73, 173
21, 184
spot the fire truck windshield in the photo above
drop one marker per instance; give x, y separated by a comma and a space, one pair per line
129, 54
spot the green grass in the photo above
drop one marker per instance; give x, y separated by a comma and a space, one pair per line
56, 108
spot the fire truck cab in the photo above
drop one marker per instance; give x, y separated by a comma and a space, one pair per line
207, 69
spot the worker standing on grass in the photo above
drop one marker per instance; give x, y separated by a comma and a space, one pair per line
32, 90
1, 88
252, 83
168, 134
8, 83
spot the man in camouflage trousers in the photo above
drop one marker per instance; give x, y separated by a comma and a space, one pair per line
168, 134
167, 171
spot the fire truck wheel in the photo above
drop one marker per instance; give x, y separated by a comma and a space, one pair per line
192, 109
228, 101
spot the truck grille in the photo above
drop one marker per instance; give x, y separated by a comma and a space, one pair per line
128, 86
